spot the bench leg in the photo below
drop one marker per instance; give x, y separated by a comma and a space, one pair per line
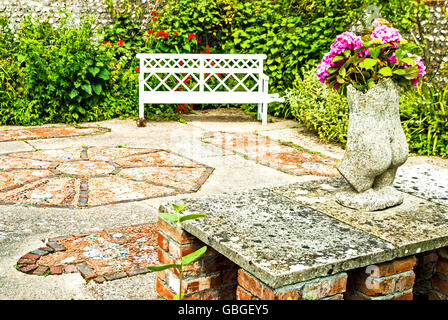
259, 111
141, 115
264, 119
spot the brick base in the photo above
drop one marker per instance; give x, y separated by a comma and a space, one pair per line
439, 290
424, 272
328, 288
212, 277
391, 280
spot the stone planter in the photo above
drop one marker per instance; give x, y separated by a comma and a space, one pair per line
376, 147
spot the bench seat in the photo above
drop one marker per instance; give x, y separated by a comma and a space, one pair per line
204, 78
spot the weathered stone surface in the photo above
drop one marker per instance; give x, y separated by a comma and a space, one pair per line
372, 199
425, 181
289, 234
278, 240
415, 226
376, 147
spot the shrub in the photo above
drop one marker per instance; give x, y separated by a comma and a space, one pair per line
424, 115
318, 107
55, 74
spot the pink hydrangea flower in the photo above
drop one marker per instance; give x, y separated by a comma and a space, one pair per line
392, 59
386, 35
420, 66
346, 40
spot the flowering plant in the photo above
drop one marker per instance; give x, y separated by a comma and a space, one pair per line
364, 61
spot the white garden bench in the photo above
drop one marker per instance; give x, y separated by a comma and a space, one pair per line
204, 78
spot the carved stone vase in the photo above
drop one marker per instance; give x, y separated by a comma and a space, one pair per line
376, 147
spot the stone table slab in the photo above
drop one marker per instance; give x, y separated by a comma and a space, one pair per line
278, 240
293, 233
425, 181
415, 226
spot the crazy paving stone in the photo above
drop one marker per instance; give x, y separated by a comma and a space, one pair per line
157, 159
110, 190
108, 153
86, 168
272, 153
187, 179
55, 191
65, 154
8, 163
16, 178
48, 132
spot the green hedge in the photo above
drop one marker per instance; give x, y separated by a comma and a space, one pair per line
52, 75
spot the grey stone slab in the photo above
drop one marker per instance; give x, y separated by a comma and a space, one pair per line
425, 180
278, 240
14, 146
415, 226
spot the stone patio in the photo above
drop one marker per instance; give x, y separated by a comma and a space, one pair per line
24, 229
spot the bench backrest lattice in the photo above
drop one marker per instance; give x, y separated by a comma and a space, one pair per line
204, 78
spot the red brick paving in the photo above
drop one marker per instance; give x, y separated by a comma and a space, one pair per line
104, 255
48, 132
92, 176
273, 153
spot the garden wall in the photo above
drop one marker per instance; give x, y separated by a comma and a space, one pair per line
435, 31
50, 9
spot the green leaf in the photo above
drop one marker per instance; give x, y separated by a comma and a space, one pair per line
368, 63
342, 72
400, 72
73, 93
409, 60
337, 58
191, 217
93, 70
169, 216
340, 80
179, 208
347, 53
87, 88
104, 74
385, 71
163, 267
97, 88
374, 52
192, 257
412, 73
